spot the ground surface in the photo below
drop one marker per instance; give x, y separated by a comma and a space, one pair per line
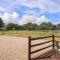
13, 48
16, 48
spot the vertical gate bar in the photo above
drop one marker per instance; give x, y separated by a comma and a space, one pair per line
29, 49
53, 38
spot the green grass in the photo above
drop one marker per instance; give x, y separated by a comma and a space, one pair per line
29, 33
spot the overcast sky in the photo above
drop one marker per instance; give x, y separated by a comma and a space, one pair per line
34, 11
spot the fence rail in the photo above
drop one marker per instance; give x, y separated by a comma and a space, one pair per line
40, 38
41, 43
33, 39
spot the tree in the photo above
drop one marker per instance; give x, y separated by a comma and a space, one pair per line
1, 23
58, 26
27, 26
35, 27
30, 26
18, 27
46, 26
50, 26
10, 26
43, 26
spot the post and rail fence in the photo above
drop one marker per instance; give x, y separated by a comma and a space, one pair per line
33, 39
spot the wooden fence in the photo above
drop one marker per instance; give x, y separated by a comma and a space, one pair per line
33, 39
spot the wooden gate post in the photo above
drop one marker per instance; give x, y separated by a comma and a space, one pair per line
29, 48
53, 38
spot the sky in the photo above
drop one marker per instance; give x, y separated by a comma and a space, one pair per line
33, 11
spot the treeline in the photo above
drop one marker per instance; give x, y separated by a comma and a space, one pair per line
29, 26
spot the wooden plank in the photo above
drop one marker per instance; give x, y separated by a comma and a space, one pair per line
53, 38
40, 38
41, 49
57, 36
29, 48
40, 43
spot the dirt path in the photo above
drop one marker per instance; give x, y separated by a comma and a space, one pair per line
16, 48
13, 48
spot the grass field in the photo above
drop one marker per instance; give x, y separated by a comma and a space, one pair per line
29, 33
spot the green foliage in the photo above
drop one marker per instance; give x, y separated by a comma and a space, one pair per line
58, 26
30, 26
1, 23
10, 26
17, 27
26, 33
54, 27
49, 26
43, 26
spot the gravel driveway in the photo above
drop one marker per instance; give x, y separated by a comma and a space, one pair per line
13, 48
16, 48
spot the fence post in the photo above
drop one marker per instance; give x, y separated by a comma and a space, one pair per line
53, 38
29, 48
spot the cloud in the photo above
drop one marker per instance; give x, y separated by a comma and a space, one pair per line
13, 18
32, 19
10, 17
44, 5
2, 9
